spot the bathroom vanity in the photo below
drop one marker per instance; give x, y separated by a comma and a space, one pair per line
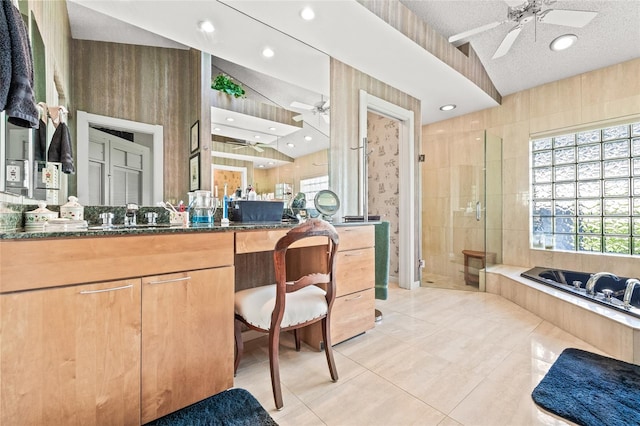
124, 327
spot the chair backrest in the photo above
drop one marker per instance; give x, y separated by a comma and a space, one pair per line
308, 229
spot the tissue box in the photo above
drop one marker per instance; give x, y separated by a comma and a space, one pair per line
256, 211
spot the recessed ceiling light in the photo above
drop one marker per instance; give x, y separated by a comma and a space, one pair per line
230, 119
447, 107
217, 129
308, 138
307, 14
267, 52
290, 145
261, 166
271, 163
206, 26
563, 42
256, 136
273, 129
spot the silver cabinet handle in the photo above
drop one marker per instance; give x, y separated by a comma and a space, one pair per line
106, 289
354, 298
174, 280
359, 253
478, 211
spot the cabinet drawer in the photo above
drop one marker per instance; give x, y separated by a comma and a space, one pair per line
355, 237
355, 271
256, 241
351, 315
37, 263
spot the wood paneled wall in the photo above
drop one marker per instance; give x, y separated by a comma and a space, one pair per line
146, 84
468, 64
346, 83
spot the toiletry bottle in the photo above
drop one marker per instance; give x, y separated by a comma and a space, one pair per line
225, 208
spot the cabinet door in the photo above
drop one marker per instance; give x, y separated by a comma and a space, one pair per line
71, 355
187, 339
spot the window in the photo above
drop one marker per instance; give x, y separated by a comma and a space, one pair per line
585, 190
311, 186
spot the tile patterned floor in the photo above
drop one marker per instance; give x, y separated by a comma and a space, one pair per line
438, 357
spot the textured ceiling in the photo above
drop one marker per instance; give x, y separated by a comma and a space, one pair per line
613, 36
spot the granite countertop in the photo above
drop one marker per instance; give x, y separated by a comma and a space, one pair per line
96, 231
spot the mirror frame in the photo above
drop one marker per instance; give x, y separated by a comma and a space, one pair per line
85, 120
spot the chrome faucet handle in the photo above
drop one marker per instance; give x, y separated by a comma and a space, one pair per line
151, 217
607, 294
107, 219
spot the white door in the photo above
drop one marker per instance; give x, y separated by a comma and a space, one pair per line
119, 170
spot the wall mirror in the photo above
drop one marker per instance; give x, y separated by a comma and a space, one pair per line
304, 154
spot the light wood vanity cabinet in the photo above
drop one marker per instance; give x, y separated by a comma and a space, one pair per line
187, 351
122, 351
353, 311
71, 355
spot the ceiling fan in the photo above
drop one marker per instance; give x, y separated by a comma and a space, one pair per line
319, 108
246, 144
522, 13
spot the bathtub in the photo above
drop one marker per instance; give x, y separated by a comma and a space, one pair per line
574, 282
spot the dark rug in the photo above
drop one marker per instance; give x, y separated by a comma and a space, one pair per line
234, 407
591, 389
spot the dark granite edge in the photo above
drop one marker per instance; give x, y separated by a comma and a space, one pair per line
143, 230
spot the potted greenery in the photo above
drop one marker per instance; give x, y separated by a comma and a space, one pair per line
225, 84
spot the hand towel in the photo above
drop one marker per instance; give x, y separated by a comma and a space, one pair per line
60, 148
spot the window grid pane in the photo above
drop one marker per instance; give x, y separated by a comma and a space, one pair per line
585, 190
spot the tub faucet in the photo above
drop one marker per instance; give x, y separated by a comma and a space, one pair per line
591, 283
628, 291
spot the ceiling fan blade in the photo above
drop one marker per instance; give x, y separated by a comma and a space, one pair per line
239, 147
257, 148
508, 41
297, 118
568, 18
474, 31
325, 105
300, 105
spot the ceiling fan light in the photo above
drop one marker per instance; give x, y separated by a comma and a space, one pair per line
290, 145
447, 107
563, 42
307, 14
206, 26
308, 138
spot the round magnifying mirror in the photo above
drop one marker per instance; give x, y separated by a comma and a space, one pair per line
327, 203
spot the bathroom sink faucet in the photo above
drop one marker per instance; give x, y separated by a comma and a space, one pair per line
130, 215
628, 291
591, 283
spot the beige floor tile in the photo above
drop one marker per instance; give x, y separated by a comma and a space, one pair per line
370, 400
439, 357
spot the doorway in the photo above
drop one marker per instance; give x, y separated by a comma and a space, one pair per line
148, 135
406, 200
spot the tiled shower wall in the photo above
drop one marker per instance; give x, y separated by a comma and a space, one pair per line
597, 96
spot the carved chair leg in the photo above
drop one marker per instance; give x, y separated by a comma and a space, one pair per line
326, 337
296, 337
237, 332
274, 348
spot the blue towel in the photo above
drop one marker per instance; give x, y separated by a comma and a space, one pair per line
16, 69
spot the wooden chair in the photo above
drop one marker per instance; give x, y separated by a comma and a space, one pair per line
290, 305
